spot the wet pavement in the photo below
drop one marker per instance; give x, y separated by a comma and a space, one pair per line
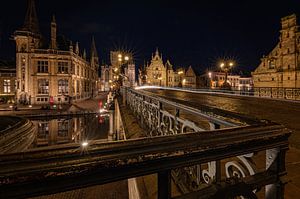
282, 112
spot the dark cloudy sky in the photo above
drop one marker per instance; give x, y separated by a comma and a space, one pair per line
187, 32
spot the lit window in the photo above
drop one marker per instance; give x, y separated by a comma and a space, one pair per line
63, 86
7, 85
43, 86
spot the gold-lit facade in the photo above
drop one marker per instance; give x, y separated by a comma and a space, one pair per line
281, 67
52, 73
159, 74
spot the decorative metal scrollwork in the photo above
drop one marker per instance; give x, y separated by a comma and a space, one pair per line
159, 122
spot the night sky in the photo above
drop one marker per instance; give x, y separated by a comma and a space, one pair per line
196, 33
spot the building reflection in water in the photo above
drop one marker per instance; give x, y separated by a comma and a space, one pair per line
71, 130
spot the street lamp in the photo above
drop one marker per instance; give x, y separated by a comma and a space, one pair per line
226, 66
183, 82
210, 79
180, 73
119, 70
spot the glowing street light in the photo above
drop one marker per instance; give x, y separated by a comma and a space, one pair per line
226, 66
84, 144
126, 58
210, 74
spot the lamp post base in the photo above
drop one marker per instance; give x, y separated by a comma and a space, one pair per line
226, 86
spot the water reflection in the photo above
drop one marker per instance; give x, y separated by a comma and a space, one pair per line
71, 130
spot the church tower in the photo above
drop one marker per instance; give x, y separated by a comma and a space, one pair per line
94, 65
27, 38
94, 55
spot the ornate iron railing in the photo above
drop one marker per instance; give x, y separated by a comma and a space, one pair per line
265, 92
278, 93
159, 122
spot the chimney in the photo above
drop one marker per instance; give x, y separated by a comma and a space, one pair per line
53, 33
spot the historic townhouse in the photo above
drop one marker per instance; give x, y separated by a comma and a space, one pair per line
55, 72
159, 74
281, 68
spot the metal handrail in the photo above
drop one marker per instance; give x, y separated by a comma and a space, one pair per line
61, 169
287, 93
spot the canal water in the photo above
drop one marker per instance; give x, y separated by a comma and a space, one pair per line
59, 131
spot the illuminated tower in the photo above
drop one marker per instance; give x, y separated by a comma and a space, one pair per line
27, 38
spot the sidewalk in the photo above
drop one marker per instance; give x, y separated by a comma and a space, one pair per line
86, 105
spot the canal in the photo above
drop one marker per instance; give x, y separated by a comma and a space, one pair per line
80, 129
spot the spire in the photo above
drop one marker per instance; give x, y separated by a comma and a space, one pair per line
84, 54
77, 48
94, 49
31, 21
157, 52
53, 19
71, 46
94, 55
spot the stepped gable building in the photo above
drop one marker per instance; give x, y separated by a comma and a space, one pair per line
159, 74
281, 67
156, 71
51, 73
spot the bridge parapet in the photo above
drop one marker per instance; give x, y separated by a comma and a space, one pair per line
235, 159
159, 122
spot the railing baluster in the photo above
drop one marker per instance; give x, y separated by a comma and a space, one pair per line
164, 184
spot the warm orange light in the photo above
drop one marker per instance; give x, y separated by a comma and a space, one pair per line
126, 58
209, 74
